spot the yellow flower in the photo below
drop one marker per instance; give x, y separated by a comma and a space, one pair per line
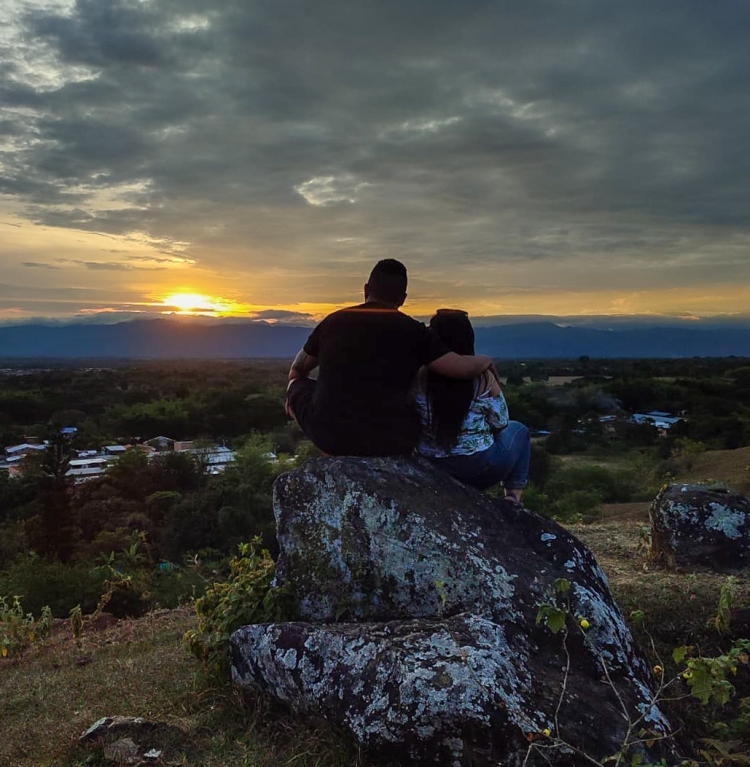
546, 732
584, 624
658, 670
687, 674
733, 669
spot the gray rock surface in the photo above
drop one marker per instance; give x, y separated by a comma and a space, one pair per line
134, 740
438, 655
693, 525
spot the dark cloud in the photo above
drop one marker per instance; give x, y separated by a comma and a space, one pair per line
100, 34
37, 265
110, 266
611, 138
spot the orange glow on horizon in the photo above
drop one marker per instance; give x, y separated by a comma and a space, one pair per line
200, 304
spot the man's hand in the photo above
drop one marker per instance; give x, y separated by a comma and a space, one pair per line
454, 365
302, 366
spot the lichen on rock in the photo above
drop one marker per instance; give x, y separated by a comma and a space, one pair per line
419, 599
692, 525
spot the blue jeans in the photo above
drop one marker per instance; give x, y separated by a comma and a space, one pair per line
507, 461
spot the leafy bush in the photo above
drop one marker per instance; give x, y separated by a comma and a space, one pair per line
572, 493
44, 584
40, 582
611, 486
577, 504
247, 597
18, 629
541, 465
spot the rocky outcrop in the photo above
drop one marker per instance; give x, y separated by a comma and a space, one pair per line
424, 633
693, 525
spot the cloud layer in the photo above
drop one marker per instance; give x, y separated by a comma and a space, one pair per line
509, 153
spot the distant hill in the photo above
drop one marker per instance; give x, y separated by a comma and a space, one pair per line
179, 339
152, 339
546, 340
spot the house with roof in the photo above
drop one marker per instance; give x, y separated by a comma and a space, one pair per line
215, 458
81, 469
658, 419
115, 450
16, 451
161, 443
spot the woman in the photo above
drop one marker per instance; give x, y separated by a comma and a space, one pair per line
465, 425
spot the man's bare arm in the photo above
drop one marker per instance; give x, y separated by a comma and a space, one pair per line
452, 365
302, 366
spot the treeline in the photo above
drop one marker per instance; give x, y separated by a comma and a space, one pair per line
714, 399
217, 401
230, 400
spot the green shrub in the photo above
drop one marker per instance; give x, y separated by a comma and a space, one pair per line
538, 501
247, 597
577, 504
40, 582
18, 629
541, 465
611, 486
572, 493
572, 506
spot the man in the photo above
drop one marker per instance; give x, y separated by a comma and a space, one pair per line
368, 356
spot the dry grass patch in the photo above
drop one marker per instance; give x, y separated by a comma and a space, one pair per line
52, 693
637, 510
56, 690
678, 604
619, 462
731, 467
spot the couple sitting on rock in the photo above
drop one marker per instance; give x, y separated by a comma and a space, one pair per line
387, 385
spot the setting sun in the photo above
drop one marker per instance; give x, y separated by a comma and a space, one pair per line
197, 303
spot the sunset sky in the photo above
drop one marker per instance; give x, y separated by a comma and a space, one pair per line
568, 157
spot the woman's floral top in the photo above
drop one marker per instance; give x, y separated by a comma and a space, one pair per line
487, 414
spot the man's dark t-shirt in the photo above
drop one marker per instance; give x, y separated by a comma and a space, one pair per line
368, 357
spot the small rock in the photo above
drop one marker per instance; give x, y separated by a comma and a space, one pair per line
134, 726
123, 751
134, 740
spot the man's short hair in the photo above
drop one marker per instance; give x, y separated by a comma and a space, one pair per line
388, 281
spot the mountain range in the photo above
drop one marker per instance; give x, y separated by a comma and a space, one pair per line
177, 339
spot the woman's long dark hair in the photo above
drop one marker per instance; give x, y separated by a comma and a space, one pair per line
450, 398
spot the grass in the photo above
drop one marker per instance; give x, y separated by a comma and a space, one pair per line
55, 691
618, 462
731, 467
678, 605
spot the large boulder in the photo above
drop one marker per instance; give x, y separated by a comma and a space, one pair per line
421, 635
695, 525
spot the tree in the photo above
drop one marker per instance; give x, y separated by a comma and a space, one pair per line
265, 412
